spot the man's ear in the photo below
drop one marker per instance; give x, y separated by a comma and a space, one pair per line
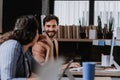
43, 29
57, 27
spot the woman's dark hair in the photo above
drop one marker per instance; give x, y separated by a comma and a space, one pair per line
24, 31
50, 17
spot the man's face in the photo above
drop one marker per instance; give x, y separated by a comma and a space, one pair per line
51, 28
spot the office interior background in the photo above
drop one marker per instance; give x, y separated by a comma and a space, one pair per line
70, 12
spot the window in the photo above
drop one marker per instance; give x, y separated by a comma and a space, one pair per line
105, 9
70, 12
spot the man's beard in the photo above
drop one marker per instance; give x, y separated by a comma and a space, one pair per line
49, 32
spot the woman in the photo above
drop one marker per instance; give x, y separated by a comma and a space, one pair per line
14, 44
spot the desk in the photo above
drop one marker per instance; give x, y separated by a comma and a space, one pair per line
99, 75
96, 78
100, 71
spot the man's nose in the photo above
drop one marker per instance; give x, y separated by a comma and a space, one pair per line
51, 28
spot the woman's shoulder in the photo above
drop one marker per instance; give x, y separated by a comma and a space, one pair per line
11, 42
11, 47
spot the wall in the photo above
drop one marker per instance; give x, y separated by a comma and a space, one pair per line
12, 9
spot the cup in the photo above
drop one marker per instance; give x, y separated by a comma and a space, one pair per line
88, 70
105, 60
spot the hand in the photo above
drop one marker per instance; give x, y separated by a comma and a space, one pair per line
40, 52
48, 40
72, 65
43, 49
33, 79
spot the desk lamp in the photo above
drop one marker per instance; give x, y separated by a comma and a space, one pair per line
112, 61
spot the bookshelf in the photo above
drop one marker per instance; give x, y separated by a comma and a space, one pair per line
81, 40
75, 40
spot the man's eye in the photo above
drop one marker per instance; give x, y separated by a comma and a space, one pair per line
48, 25
54, 26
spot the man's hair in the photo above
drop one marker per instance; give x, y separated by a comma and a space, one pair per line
24, 31
50, 17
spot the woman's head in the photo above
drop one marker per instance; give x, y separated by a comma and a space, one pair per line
25, 29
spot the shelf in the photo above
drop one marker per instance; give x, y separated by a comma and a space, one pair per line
80, 40
75, 40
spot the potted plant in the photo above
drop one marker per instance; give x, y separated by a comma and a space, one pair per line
82, 30
99, 29
109, 33
105, 30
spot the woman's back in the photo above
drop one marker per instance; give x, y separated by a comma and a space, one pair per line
11, 60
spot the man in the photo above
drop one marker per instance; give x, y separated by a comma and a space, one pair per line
50, 47
50, 25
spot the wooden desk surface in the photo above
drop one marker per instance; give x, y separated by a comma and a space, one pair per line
99, 73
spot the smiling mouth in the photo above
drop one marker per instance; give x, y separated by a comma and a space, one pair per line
51, 32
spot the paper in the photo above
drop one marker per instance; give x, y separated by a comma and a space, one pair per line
117, 43
92, 34
107, 42
105, 60
118, 33
95, 42
101, 42
76, 69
